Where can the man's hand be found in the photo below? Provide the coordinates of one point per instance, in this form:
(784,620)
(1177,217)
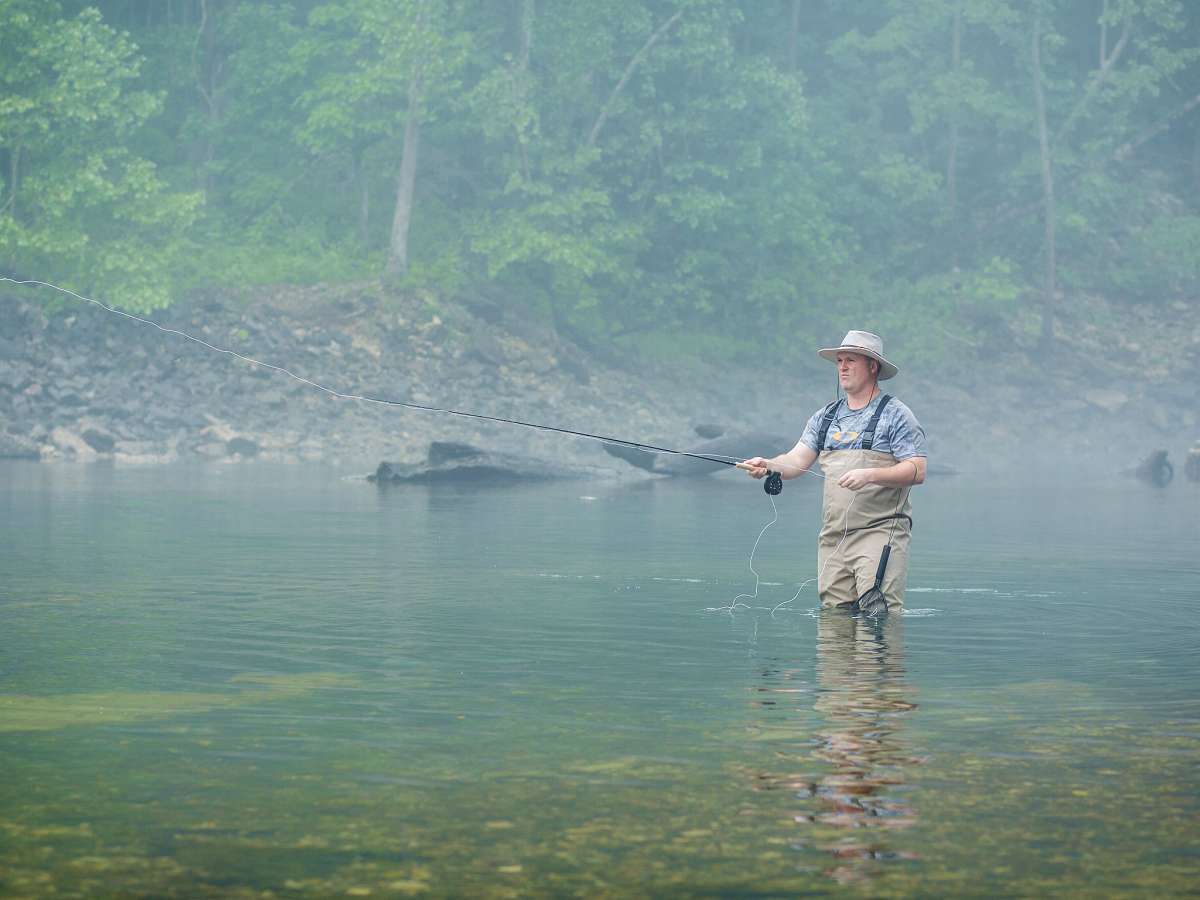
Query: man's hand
(903,474)
(792,464)
(857,479)
(758,467)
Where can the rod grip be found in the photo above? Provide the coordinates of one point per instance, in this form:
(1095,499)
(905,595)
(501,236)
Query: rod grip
(883,558)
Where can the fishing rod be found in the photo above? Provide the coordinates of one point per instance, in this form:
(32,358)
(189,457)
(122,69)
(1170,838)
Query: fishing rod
(773,484)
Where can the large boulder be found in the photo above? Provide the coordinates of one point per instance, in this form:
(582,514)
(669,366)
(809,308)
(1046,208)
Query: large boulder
(98,438)
(463,463)
(737,447)
(1153,469)
(72,445)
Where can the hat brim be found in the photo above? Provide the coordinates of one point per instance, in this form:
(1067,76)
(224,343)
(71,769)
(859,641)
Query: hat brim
(886,369)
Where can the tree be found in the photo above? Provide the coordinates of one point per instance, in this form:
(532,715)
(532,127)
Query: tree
(729,173)
(375,53)
(80,207)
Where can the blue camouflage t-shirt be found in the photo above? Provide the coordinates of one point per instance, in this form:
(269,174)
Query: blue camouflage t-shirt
(898,433)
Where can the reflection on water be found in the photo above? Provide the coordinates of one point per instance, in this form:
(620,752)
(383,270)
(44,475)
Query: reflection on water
(857,799)
(864,699)
(235,683)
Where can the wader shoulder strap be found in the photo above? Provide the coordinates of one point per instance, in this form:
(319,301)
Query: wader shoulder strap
(826,421)
(869,434)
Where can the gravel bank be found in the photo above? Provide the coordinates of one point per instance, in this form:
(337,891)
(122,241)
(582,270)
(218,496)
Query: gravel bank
(86,385)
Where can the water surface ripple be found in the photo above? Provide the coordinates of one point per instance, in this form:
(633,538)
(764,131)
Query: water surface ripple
(221,681)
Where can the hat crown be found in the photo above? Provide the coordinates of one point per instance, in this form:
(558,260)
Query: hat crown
(865,344)
(862,340)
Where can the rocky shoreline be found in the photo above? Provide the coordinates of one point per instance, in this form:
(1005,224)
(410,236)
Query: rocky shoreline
(87,385)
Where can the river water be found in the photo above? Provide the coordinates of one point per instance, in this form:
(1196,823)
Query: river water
(228,681)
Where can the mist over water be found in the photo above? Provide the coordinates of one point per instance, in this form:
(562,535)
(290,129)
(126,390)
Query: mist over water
(218,679)
(228,669)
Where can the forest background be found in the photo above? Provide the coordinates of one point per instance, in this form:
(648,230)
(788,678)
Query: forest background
(731,179)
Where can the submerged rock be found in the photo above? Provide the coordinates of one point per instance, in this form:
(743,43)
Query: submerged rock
(1153,469)
(734,446)
(448,461)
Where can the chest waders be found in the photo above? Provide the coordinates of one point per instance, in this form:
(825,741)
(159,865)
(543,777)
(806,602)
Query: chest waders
(862,531)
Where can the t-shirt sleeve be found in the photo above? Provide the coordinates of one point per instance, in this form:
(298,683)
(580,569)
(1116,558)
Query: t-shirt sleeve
(907,437)
(811,430)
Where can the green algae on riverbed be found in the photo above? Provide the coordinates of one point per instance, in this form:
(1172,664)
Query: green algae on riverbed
(227,825)
(520,694)
(24,713)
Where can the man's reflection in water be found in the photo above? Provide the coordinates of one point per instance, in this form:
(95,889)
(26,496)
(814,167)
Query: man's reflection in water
(863,699)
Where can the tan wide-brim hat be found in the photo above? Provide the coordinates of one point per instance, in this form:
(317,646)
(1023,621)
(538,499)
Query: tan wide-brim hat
(867,344)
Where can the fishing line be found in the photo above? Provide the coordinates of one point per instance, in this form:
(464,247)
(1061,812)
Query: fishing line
(734,604)
(773,485)
(805,584)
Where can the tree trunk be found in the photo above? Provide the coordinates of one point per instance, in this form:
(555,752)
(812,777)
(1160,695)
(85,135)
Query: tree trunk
(952,155)
(1196,157)
(14,157)
(364,200)
(518,82)
(527,11)
(397,263)
(1047,185)
(794,38)
(629,70)
(205,148)
(1104,35)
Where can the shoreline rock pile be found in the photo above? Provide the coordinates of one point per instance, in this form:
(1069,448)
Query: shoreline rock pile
(87,385)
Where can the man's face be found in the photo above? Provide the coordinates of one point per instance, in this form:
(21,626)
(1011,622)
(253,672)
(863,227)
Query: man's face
(854,372)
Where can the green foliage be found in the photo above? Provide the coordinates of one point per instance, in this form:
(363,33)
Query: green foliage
(1162,262)
(690,174)
(80,207)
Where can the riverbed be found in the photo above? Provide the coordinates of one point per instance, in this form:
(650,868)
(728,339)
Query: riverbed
(222,681)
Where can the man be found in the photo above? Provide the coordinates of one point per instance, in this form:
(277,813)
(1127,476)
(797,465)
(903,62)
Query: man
(872,452)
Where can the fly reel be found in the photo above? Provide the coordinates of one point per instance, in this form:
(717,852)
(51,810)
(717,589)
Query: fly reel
(774,483)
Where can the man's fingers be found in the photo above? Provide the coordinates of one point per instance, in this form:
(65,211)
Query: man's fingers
(755,467)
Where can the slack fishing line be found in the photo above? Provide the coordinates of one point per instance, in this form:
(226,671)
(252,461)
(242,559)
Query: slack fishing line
(735,604)
(773,485)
